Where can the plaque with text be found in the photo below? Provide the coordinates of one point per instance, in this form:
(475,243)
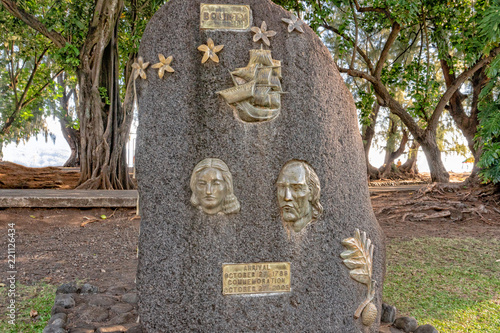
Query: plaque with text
(225,17)
(255,278)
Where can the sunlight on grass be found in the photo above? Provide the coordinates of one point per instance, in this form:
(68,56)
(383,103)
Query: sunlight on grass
(452,284)
(39,297)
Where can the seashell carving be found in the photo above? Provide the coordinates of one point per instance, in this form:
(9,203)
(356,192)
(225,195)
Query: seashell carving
(369,314)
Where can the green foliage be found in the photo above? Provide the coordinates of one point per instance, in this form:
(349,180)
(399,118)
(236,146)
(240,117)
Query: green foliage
(364,104)
(136,15)
(71,19)
(67,56)
(489,28)
(452,284)
(460,32)
(39,297)
(25,96)
(488,135)
(103,92)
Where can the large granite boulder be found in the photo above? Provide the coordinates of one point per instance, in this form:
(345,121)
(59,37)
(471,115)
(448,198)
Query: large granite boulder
(222,182)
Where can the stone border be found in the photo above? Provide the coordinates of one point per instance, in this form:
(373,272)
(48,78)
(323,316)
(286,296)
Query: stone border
(391,324)
(86,309)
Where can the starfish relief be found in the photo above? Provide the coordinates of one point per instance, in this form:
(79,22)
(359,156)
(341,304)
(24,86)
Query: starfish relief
(140,68)
(263,33)
(294,23)
(210,51)
(164,65)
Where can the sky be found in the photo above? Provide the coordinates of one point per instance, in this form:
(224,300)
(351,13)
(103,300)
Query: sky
(38,153)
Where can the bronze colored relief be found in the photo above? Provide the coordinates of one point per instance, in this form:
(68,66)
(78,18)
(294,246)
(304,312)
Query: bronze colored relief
(359,259)
(225,17)
(294,23)
(210,51)
(212,187)
(262,33)
(298,194)
(140,68)
(164,65)
(256,278)
(256,94)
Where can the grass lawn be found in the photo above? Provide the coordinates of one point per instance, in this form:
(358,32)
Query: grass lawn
(39,297)
(452,284)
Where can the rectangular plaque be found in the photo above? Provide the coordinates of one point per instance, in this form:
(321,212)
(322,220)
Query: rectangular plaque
(225,17)
(255,278)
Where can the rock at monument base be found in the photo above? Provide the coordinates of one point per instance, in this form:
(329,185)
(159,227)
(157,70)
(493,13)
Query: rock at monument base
(389,329)
(67,288)
(64,300)
(388,313)
(406,324)
(184,246)
(426,329)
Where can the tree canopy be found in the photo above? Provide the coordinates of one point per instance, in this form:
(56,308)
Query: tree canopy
(423,61)
(85,38)
(416,57)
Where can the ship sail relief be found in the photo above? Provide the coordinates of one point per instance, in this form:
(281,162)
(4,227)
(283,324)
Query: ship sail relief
(257,90)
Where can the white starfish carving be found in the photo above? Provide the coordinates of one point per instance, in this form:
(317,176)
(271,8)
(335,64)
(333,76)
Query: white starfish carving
(140,68)
(263,33)
(294,23)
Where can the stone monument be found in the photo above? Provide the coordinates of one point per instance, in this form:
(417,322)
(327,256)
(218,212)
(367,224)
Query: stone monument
(255,208)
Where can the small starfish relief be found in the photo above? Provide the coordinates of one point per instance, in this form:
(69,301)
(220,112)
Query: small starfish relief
(140,68)
(164,65)
(263,33)
(210,51)
(294,23)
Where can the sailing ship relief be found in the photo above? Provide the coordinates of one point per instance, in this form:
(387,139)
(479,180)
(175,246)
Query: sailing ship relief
(257,91)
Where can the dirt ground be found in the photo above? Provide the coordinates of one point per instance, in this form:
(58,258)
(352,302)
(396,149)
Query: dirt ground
(52,245)
(15,176)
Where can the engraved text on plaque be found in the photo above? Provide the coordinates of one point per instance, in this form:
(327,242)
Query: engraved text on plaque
(225,17)
(255,278)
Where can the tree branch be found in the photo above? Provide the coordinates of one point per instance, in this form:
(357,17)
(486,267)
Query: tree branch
(13,76)
(456,85)
(373,9)
(37,94)
(349,39)
(356,73)
(34,23)
(396,28)
(21,103)
(409,47)
(387,100)
(30,80)
(356,38)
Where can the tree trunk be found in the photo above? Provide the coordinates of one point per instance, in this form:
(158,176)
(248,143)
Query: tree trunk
(71,135)
(426,138)
(391,157)
(104,124)
(467,123)
(433,155)
(367,136)
(410,166)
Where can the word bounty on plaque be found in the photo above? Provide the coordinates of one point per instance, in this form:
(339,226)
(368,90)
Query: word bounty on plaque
(225,17)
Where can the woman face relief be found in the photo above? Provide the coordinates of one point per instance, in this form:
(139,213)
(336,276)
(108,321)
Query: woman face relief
(210,189)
